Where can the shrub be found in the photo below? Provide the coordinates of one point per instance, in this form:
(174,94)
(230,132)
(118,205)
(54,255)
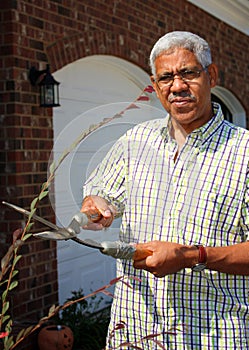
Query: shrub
(89,325)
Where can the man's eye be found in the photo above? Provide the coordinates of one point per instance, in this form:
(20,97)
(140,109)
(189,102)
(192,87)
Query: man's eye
(188,74)
(165,78)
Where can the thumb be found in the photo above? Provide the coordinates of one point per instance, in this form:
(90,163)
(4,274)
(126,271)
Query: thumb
(106,212)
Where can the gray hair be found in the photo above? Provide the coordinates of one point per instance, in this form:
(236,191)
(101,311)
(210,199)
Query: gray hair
(186,40)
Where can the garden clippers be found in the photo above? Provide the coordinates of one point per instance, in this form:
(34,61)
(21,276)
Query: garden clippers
(116,249)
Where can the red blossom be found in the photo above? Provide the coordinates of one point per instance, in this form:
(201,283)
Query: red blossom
(149,89)
(143,98)
(4,334)
(132,106)
(120,325)
(109,294)
(115,280)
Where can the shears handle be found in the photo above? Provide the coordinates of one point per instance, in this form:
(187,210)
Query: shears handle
(116,249)
(122,250)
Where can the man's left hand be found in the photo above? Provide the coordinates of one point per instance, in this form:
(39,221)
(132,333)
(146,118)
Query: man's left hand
(167,258)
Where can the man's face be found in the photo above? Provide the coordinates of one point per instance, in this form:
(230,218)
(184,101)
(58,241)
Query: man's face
(188,102)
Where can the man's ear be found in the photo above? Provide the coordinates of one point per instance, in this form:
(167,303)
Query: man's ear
(213,74)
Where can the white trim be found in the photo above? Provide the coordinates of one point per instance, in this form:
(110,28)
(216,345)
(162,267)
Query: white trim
(233,104)
(233,12)
(92,88)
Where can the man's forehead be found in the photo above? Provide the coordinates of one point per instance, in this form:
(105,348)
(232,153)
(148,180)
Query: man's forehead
(176,51)
(177,57)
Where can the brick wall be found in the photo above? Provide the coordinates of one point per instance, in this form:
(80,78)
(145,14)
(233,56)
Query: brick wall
(58,32)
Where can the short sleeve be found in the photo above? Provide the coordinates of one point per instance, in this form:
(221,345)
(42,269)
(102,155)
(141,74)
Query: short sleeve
(245,210)
(108,179)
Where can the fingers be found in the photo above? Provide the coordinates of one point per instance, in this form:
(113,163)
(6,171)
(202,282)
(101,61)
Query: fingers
(99,212)
(144,265)
(166,258)
(140,264)
(142,257)
(148,260)
(93,226)
(141,252)
(105,222)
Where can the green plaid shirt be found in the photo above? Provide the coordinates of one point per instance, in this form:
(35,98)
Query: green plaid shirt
(201,198)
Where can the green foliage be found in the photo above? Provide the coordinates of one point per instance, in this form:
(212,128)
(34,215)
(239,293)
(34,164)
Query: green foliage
(88,325)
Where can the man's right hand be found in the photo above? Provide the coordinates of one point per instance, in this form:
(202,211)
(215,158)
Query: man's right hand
(99,212)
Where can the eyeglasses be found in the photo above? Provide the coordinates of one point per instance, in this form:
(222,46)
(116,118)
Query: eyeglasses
(187,75)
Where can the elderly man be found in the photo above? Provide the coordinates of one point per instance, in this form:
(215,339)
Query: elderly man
(181,185)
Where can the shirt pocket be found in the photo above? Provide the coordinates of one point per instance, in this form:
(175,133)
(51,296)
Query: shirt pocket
(225,212)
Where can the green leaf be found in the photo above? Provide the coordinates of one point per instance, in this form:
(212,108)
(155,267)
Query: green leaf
(7,257)
(8,342)
(42,195)
(44,319)
(32,212)
(3,282)
(20,334)
(29,226)
(8,327)
(4,294)
(13,285)
(64,154)
(15,272)
(6,306)
(28,235)
(52,167)
(33,203)
(51,310)
(44,186)
(28,330)
(5,318)
(15,261)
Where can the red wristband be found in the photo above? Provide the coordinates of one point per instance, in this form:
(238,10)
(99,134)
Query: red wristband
(202,254)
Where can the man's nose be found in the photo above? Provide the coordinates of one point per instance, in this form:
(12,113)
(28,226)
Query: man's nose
(178,84)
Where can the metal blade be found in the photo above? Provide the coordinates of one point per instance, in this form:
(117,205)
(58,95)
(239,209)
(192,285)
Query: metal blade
(89,243)
(61,236)
(60,233)
(34,216)
(57,235)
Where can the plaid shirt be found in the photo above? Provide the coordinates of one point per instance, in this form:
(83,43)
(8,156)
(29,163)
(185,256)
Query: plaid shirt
(201,198)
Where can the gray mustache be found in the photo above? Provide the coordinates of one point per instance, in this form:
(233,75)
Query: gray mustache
(174,95)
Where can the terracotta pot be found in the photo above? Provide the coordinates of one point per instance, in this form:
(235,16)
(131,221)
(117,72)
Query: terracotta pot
(55,338)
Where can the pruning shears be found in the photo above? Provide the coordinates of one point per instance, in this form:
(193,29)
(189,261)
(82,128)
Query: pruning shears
(116,249)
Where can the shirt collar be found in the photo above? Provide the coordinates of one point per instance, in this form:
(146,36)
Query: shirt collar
(204,132)
(212,125)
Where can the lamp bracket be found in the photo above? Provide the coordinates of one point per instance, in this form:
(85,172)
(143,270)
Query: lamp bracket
(34,74)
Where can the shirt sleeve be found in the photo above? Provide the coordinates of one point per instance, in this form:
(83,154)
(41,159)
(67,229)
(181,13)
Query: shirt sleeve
(245,210)
(108,179)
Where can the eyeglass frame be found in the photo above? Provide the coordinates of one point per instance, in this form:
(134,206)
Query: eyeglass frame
(179,73)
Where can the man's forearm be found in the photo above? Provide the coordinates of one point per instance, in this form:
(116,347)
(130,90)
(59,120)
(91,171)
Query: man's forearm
(232,259)
(169,257)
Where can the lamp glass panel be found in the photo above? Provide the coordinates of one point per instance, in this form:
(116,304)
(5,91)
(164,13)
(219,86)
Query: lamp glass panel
(49,94)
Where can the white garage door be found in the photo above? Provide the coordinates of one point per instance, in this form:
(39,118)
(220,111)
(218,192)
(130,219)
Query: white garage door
(91,89)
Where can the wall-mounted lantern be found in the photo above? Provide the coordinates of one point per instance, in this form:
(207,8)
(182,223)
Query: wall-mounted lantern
(49,87)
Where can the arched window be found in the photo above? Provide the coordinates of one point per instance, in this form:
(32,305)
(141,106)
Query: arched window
(227,113)
(94,88)
(231,107)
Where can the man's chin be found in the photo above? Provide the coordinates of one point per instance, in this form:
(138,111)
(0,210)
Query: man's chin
(187,121)
(184,117)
